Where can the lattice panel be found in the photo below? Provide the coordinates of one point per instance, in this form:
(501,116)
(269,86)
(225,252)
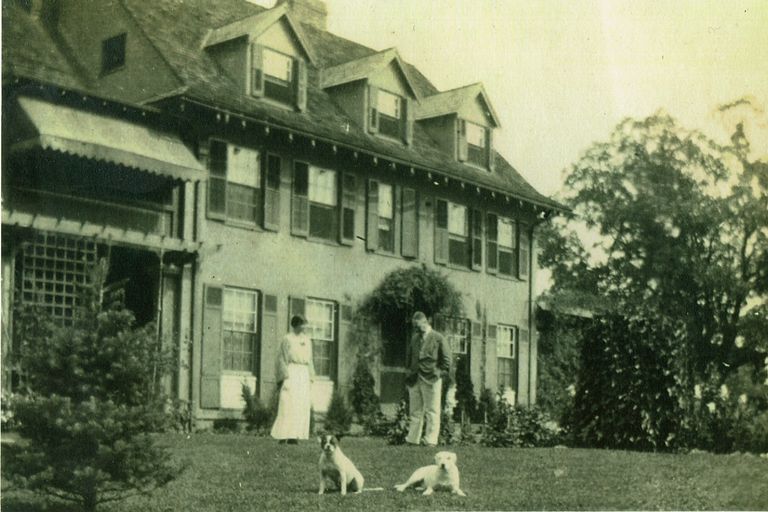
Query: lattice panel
(54,266)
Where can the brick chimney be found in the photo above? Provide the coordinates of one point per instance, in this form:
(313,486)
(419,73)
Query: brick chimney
(312,12)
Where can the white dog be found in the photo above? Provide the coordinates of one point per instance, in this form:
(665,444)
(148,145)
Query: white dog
(336,467)
(443,473)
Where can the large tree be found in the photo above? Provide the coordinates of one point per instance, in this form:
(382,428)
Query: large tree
(670,228)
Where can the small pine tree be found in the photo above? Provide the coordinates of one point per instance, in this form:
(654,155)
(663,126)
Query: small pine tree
(257,416)
(398,431)
(92,399)
(338,419)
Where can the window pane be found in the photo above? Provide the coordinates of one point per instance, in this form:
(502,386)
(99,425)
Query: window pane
(475,134)
(457,219)
(243,203)
(278,65)
(322,186)
(240,323)
(389,104)
(385,201)
(506,262)
(506,232)
(323,221)
(243,166)
(457,251)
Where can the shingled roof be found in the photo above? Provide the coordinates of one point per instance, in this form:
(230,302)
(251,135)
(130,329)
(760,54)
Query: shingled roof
(178,29)
(364,67)
(448,102)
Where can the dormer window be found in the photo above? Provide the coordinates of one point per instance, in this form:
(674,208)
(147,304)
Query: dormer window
(474,143)
(389,114)
(278,77)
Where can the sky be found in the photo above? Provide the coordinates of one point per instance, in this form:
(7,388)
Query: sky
(562,74)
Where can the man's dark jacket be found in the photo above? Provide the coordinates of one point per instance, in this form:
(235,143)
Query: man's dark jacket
(427,356)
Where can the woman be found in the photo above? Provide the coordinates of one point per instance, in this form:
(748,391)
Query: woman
(295,373)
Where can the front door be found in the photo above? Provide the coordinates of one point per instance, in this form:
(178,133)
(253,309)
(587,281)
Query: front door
(395,338)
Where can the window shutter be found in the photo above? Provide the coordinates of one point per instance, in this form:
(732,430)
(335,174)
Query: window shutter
(210,394)
(348,199)
(272,192)
(300,68)
(477,239)
(462,140)
(300,199)
(296,306)
(492,253)
(217,182)
(491,363)
(409,242)
(372,217)
(342,331)
(270,337)
(441,231)
(373,110)
(407,118)
(523,245)
(257,74)
(489,147)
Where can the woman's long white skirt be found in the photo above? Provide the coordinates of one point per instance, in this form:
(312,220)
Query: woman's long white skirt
(294,407)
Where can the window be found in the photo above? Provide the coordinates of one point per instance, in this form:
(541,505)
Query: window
(278,76)
(113,53)
(458,250)
(323,198)
(390,110)
(507,240)
(235,183)
(522,272)
(386,212)
(476,144)
(321,320)
(506,338)
(240,329)
(503,252)
(456,331)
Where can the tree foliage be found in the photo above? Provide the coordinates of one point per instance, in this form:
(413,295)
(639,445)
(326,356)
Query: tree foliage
(91,399)
(669,241)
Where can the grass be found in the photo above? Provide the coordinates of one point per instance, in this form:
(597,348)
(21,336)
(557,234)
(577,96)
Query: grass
(241,473)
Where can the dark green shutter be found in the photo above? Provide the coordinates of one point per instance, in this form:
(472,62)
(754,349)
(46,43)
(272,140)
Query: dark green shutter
(296,306)
(257,73)
(217,182)
(272,192)
(491,363)
(492,251)
(409,235)
(270,339)
(476,225)
(489,147)
(441,231)
(523,251)
(372,216)
(300,81)
(300,199)
(210,392)
(461,139)
(407,117)
(348,200)
(373,109)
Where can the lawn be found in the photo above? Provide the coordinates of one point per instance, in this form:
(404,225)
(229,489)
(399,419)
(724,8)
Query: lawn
(231,472)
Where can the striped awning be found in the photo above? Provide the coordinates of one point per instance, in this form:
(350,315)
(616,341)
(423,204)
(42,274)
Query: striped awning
(69,130)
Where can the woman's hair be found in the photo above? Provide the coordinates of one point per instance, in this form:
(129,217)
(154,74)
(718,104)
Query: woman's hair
(298,320)
(419,316)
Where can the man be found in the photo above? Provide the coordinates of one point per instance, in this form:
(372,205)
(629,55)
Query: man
(428,361)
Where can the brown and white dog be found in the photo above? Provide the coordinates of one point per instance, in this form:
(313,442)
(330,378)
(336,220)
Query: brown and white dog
(337,468)
(443,473)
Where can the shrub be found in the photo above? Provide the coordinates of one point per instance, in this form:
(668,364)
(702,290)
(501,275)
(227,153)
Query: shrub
(226,425)
(466,409)
(524,427)
(377,424)
(398,431)
(487,405)
(338,419)
(89,452)
(363,398)
(258,417)
(93,393)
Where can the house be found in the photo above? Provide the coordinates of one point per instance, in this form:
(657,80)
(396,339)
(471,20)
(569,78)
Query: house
(239,165)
